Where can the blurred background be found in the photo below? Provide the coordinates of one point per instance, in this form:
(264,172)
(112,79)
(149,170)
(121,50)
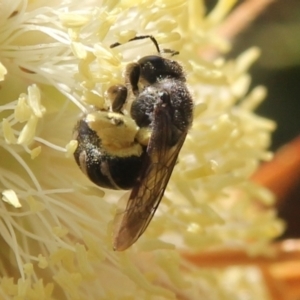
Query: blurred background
(276,31)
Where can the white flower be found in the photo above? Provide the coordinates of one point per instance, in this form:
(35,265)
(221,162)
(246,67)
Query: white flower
(55,225)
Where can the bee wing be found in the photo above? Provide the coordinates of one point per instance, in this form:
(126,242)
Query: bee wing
(152,182)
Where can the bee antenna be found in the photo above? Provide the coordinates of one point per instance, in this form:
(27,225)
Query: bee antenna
(170,51)
(140,37)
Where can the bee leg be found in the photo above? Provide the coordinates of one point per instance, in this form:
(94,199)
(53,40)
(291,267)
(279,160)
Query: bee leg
(117,94)
(133,72)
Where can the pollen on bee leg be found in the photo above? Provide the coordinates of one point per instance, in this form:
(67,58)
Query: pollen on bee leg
(143,136)
(123,128)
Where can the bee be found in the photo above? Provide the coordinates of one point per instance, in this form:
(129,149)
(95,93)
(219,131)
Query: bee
(108,152)
(161,105)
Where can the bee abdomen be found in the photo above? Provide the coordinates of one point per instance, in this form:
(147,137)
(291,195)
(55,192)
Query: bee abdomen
(105,170)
